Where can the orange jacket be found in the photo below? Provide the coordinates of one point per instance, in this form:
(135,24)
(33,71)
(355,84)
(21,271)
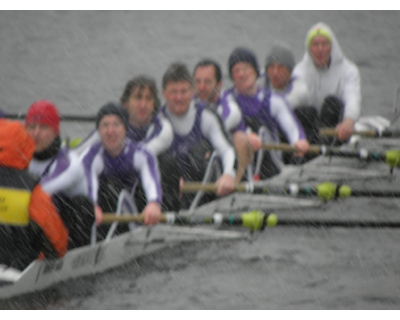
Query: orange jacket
(16,151)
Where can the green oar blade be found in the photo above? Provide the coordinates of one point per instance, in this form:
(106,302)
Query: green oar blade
(257,220)
(392,158)
(328,191)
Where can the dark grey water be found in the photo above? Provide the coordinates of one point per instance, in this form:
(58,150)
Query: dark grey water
(82,59)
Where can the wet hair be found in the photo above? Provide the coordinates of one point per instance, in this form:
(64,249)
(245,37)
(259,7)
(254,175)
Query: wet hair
(176,72)
(210,62)
(141,82)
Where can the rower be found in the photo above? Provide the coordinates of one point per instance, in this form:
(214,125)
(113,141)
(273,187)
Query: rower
(197,130)
(29,223)
(121,162)
(148,126)
(59,172)
(262,109)
(279,65)
(332,79)
(208,84)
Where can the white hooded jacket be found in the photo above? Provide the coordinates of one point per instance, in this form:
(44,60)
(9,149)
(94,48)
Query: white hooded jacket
(341,78)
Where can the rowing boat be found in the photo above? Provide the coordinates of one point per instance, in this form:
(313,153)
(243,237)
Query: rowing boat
(116,250)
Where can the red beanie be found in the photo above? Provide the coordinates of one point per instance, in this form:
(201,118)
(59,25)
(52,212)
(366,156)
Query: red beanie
(44,112)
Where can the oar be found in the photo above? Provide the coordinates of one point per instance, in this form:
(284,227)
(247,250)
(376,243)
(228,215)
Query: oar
(391,157)
(253,220)
(62,118)
(326,190)
(331,132)
(337,223)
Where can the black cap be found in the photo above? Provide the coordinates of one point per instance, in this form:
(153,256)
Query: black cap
(242,54)
(113,108)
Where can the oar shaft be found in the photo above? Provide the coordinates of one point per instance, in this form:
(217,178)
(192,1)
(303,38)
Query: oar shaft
(215,219)
(313,149)
(332,223)
(365,133)
(375,193)
(331,132)
(109,218)
(62,118)
(193,187)
(288,148)
(390,134)
(361,154)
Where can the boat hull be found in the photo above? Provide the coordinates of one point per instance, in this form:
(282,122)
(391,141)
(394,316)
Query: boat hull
(105,255)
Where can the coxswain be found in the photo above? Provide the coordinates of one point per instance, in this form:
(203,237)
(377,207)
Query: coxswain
(30,226)
(59,172)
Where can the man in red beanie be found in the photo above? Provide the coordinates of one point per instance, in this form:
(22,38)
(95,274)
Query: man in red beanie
(43,124)
(29,222)
(57,169)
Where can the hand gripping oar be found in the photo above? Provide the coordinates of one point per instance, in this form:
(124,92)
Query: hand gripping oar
(253,220)
(391,157)
(331,132)
(326,190)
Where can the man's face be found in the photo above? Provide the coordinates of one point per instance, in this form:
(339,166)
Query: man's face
(205,84)
(278,75)
(140,106)
(244,77)
(112,133)
(42,134)
(320,49)
(178,96)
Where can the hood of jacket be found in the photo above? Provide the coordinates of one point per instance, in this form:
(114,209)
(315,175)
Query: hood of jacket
(16,146)
(336,51)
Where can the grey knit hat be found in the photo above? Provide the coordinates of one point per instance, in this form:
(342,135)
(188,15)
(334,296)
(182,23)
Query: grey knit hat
(242,54)
(280,54)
